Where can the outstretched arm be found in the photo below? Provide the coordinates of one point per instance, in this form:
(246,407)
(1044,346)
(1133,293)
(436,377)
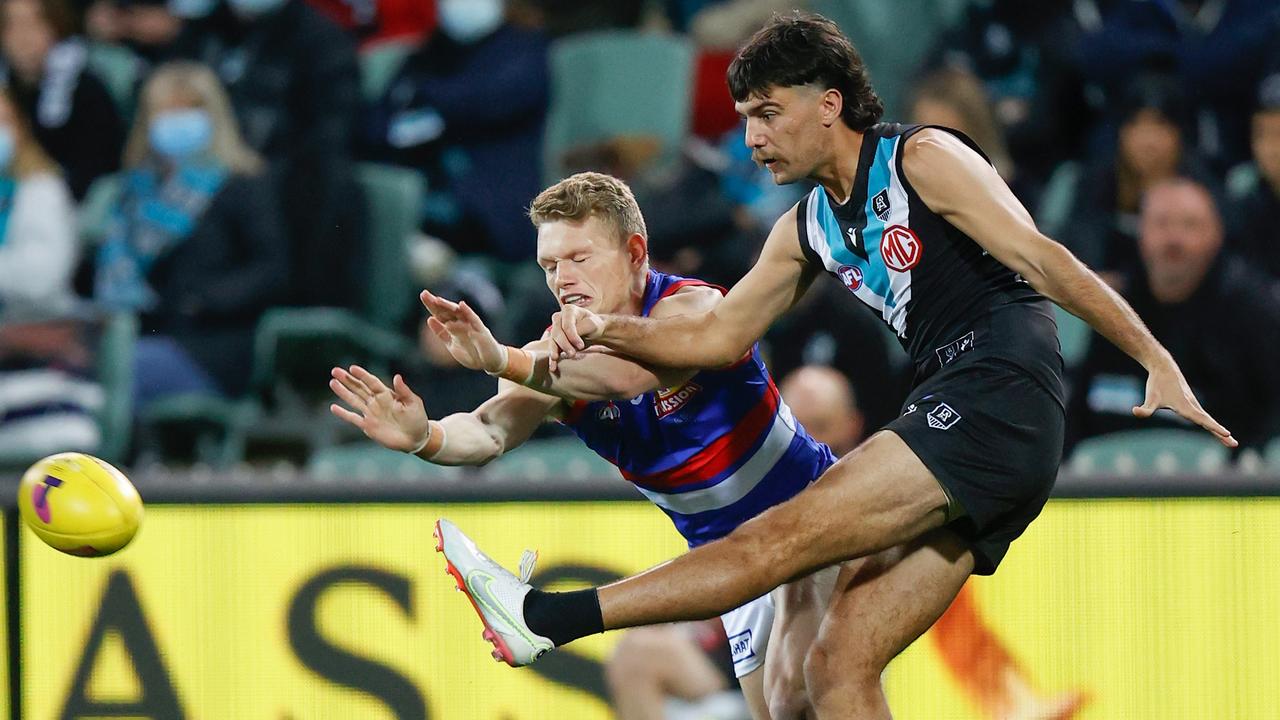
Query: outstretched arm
(590,376)
(714,338)
(955,182)
(395,418)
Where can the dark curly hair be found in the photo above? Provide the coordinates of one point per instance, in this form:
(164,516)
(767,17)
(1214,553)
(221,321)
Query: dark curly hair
(801,48)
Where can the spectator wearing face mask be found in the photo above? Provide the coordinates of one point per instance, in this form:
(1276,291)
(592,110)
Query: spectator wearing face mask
(469,109)
(71,113)
(292,78)
(194,243)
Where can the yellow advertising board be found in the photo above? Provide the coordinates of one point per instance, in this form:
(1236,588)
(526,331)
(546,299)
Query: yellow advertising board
(1153,609)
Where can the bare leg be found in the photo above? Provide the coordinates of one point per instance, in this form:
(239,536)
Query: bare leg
(878,609)
(878,496)
(799,607)
(753,690)
(652,664)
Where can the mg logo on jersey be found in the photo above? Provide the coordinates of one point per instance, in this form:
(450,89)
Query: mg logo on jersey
(900,248)
(851,277)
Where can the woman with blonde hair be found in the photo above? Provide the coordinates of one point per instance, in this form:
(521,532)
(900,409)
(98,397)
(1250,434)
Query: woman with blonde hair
(195,243)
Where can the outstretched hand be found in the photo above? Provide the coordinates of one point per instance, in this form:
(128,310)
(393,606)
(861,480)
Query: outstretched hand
(1167,388)
(464,334)
(393,417)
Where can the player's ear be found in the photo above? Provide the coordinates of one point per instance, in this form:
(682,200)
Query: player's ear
(832,105)
(637,249)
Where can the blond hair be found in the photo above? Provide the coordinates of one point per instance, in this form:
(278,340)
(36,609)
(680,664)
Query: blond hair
(964,93)
(590,194)
(197,84)
(29,158)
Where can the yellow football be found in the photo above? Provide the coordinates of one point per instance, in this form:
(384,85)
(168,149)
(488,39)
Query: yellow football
(79,504)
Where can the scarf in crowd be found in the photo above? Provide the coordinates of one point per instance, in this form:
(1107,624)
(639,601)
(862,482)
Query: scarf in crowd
(8,188)
(154,215)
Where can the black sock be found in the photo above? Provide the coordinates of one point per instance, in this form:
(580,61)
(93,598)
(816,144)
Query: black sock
(563,617)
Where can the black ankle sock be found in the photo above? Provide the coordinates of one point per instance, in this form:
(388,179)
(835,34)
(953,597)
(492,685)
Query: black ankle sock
(563,617)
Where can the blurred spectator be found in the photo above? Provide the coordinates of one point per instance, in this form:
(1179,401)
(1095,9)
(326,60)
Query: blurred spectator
(469,110)
(195,243)
(292,78)
(72,115)
(47,400)
(1022,52)
(38,245)
(1217,316)
(1256,214)
(377,21)
(956,99)
(1215,48)
(1152,146)
(823,402)
(147,27)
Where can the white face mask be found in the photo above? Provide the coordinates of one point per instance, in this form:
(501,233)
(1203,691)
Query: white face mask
(467,21)
(254,8)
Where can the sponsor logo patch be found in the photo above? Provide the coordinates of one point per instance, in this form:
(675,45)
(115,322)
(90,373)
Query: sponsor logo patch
(948,353)
(740,646)
(851,276)
(880,204)
(670,400)
(943,417)
(900,248)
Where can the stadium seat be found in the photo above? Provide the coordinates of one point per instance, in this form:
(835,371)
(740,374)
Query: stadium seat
(95,210)
(379,65)
(118,69)
(1073,336)
(1059,195)
(217,424)
(1241,180)
(115,374)
(1271,455)
(609,84)
(565,458)
(1155,451)
(368,461)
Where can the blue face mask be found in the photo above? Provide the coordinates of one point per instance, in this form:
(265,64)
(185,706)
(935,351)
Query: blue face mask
(467,21)
(179,134)
(7,147)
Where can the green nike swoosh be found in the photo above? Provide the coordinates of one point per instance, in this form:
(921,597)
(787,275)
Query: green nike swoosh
(487,599)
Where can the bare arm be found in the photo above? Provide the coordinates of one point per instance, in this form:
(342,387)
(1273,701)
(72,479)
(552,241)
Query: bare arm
(713,338)
(955,182)
(590,376)
(395,418)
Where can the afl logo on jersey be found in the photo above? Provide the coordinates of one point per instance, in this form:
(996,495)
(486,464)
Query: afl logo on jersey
(851,277)
(900,248)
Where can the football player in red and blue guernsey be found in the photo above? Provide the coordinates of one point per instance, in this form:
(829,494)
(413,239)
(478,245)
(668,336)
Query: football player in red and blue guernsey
(711,448)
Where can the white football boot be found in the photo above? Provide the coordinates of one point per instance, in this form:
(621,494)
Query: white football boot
(495,593)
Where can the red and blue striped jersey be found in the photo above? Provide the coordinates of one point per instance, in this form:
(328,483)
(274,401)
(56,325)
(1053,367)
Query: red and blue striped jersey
(712,453)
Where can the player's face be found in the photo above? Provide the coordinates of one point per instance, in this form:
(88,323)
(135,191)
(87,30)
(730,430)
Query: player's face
(586,264)
(1266,145)
(783,130)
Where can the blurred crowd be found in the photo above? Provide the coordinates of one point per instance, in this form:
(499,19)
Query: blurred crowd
(194,163)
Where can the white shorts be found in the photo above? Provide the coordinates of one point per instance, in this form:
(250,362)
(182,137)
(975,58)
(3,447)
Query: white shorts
(748,629)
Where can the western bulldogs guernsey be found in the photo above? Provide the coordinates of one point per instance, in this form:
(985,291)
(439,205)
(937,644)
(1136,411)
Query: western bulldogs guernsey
(712,453)
(933,285)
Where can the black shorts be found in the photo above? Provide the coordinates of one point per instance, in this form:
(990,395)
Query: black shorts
(992,436)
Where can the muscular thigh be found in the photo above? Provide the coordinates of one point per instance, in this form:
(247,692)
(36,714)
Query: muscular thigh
(876,497)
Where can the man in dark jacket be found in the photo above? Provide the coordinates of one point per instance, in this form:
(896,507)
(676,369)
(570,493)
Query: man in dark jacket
(1256,215)
(293,81)
(1218,317)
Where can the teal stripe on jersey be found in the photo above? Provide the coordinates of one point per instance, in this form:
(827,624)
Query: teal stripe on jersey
(874,276)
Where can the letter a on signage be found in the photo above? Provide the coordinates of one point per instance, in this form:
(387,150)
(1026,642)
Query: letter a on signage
(121,613)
